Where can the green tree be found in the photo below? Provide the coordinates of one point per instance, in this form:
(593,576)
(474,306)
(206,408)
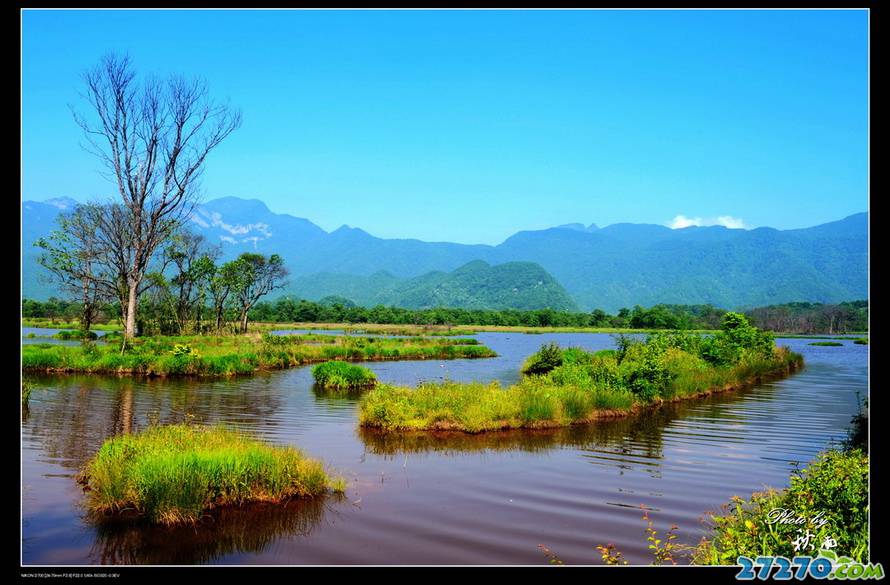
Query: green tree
(255,276)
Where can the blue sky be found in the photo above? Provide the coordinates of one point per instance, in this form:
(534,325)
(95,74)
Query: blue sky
(468,126)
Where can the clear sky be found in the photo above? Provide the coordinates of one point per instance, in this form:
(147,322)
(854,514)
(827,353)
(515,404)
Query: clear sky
(468,126)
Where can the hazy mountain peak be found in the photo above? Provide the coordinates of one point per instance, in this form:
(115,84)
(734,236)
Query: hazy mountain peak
(578,227)
(64,203)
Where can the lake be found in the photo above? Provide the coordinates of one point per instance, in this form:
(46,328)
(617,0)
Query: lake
(426,498)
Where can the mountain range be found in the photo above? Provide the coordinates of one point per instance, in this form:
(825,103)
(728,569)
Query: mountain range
(565,267)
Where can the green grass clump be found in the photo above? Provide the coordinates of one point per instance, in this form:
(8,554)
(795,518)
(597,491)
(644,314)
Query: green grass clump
(827,343)
(861,341)
(568,386)
(176,473)
(75,334)
(835,484)
(337,375)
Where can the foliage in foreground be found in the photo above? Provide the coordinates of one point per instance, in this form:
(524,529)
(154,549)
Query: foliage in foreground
(573,385)
(176,473)
(835,486)
(337,375)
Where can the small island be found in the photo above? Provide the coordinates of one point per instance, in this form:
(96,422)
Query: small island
(175,474)
(561,387)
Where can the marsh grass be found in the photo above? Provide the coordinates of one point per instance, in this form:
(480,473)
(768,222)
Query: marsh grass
(827,343)
(239,355)
(337,375)
(27,389)
(174,474)
(568,386)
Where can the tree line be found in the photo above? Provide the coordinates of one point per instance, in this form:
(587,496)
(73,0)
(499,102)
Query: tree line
(186,291)
(811,317)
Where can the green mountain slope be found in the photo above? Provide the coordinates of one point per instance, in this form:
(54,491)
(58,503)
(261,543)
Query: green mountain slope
(476,285)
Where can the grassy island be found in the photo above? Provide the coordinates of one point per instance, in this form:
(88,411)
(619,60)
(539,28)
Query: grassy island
(176,473)
(568,386)
(243,354)
(337,375)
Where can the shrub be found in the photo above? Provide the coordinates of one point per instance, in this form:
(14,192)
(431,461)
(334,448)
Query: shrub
(75,334)
(545,359)
(834,485)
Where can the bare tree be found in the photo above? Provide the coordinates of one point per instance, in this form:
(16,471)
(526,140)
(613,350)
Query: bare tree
(153,138)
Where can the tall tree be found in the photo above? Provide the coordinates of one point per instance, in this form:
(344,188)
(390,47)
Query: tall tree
(153,137)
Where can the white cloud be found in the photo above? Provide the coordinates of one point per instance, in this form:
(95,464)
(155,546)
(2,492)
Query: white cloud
(681,221)
(206,219)
(731,222)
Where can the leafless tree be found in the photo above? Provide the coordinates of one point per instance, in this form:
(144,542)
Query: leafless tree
(153,138)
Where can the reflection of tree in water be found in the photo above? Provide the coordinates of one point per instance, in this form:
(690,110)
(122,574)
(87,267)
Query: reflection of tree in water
(230,530)
(637,436)
(77,413)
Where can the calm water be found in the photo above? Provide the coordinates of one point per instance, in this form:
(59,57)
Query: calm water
(436,499)
(44,335)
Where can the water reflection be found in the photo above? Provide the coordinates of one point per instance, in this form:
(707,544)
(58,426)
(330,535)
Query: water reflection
(435,498)
(78,412)
(248,529)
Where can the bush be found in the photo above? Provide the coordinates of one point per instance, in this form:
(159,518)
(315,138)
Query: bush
(550,356)
(75,334)
(835,485)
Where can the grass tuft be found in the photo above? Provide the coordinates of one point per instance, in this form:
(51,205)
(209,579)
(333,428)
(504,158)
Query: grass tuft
(174,474)
(337,375)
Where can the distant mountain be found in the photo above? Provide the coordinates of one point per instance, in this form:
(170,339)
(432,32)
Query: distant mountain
(578,227)
(476,285)
(611,267)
